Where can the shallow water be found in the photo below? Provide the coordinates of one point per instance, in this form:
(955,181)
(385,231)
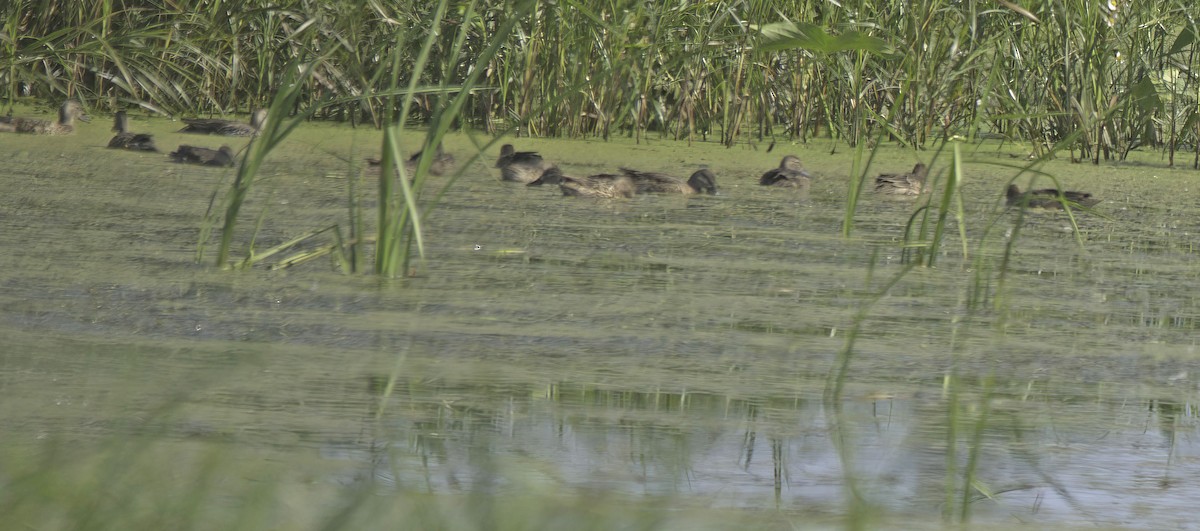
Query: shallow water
(662,348)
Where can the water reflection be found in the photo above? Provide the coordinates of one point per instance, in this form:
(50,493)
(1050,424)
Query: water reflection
(1041,457)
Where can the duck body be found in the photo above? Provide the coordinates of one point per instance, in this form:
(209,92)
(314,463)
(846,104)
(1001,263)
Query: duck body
(523,166)
(217,126)
(203,156)
(70,111)
(443,163)
(790,173)
(1047,198)
(903,184)
(605,185)
(126,140)
(702,181)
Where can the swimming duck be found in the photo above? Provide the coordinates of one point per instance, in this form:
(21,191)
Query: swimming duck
(1048,198)
(789,173)
(443,163)
(911,183)
(204,156)
(127,140)
(217,126)
(702,181)
(67,114)
(605,185)
(523,166)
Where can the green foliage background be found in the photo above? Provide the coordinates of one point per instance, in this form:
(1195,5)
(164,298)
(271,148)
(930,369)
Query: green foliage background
(1100,78)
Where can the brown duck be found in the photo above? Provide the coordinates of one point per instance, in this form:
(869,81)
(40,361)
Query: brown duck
(127,140)
(702,181)
(524,167)
(217,126)
(605,185)
(911,183)
(790,173)
(1048,198)
(67,114)
(203,156)
(443,163)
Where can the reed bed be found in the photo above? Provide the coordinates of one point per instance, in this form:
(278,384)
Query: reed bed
(1120,74)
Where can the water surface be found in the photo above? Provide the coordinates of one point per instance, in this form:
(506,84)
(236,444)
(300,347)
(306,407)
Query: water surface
(664,350)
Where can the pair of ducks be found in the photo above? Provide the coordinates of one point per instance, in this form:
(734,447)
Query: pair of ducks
(222,156)
(913,183)
(791,173)
(530,168)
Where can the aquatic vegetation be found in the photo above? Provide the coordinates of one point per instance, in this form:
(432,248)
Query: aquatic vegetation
(676,346)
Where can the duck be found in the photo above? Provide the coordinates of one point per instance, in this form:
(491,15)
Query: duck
(903,184)
(443,163)
(1048,198)
(217,126)
(790,173)
(127,140)
(604,185)
(70,111)
(203,156)
(702,181)
(524,166)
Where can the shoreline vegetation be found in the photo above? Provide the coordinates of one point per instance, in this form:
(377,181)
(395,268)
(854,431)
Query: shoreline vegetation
(1097,80)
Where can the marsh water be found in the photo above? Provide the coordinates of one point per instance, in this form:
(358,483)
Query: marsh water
(668,352)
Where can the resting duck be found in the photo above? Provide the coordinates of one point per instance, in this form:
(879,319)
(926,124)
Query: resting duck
(911,183)
(702,181)
(67,114)
(443,163)
(606,185)
(790,173)
(204,156)
(217,126)
(127,140)
(1048,198)
(524,167)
